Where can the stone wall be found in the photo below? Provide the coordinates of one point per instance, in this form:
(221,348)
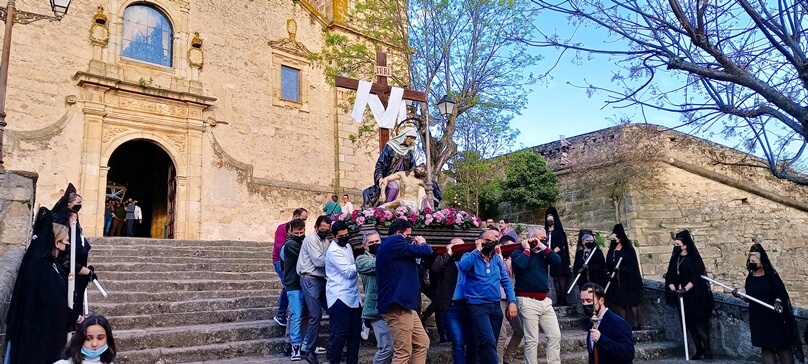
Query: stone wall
(730,323)
(17,201)
(657,182)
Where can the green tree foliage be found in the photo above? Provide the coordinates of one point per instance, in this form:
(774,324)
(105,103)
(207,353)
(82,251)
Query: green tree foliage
(529,181)
(476,184)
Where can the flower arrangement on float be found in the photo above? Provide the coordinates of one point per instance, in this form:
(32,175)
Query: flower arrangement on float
(449,218)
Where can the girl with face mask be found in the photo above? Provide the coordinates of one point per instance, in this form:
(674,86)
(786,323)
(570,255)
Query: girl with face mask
(684,278)
(92,343)
(773,331)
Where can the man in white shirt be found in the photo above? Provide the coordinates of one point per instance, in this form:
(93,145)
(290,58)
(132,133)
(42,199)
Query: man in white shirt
(311,269)
(347,206)
(342,294)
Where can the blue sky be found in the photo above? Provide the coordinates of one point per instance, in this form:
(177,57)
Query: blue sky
(559,108)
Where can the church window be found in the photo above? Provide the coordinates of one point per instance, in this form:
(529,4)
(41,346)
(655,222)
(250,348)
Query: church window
(147,35)
(290,84)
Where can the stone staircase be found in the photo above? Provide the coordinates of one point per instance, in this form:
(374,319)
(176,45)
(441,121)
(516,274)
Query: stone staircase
(176,301)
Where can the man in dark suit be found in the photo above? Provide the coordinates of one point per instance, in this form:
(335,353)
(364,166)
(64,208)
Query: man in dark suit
(610,339)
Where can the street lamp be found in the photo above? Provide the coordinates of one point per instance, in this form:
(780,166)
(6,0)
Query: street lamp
(446,106)
(11,15)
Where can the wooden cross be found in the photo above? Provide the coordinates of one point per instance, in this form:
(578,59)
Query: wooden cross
(381,89)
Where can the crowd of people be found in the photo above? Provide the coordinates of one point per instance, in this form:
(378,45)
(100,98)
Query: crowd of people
(486,303)
(40,315)
(120,215)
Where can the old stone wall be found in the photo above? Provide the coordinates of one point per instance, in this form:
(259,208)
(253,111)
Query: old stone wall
(729,326)
(243,155)
(17,202)
(657,182)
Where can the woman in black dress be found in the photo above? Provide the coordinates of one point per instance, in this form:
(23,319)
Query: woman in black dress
(38,318)
(684,278)
(773,331)
(595,271)
(626,287)
(557,240)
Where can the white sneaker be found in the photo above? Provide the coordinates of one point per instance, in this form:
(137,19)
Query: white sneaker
(365,332)
(296,353)
(319,350)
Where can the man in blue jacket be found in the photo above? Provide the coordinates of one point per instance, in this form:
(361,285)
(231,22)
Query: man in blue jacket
(530,269)
(610,340)
(399,291)
(485,273)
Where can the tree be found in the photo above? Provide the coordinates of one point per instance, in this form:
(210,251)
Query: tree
(470,47)
(529,181)
(742,65)
(475,184)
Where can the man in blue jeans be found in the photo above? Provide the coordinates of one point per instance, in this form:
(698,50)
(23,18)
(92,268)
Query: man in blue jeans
(311,268)
(280,239)
(485,273)
(291,252)
(450,296)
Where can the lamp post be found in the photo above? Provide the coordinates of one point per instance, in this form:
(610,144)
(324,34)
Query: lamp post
(11,15)
(446,108)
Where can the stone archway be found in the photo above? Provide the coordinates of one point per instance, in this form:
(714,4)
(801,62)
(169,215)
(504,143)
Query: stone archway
(149,175)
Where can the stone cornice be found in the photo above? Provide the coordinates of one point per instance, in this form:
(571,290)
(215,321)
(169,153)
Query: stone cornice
(86,79)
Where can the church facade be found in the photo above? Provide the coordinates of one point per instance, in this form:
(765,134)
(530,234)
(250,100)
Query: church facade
(211,114)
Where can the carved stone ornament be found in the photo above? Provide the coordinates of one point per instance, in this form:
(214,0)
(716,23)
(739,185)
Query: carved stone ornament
(179,141)
(110,133)
(196,57)
(99,32)
(290,44)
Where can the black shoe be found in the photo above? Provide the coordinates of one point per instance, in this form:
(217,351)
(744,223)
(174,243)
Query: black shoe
(311,357)
(287,349)
(699,354)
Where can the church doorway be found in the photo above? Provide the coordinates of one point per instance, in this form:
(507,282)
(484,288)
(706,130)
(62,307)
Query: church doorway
(149,175)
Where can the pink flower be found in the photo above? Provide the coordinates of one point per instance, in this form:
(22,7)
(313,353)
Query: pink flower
(388,215)
(428,219)
(368,212)
(476,223)
(401,210)
(360,220)
(459,218)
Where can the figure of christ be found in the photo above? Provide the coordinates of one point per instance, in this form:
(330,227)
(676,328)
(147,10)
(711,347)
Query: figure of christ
(396,156)
(412,189)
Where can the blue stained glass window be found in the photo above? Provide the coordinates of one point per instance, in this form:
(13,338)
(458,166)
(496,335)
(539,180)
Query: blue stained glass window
(290,84)
(147,35)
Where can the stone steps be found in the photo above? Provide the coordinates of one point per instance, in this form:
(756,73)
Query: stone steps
(163,243)
(147,251)
(442,354)
(112,265)
(192,302)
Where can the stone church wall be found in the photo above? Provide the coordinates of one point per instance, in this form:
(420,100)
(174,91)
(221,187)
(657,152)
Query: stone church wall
(244,157)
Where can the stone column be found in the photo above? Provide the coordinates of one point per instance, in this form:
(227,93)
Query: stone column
(90,185)
(181,213)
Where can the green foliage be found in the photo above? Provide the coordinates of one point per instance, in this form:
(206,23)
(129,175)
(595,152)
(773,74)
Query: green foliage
(475,186)
(600,240)
(529,182)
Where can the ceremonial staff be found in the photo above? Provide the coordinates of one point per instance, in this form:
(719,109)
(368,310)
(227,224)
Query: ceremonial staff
(582,268)
(71,278)
(594,320)
(744,295)
(684,327)
(616,268)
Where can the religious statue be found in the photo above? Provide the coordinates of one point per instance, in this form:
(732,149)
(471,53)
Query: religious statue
(396,156)
(412,189)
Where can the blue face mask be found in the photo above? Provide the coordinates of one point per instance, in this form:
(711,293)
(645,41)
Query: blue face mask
(93,354)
